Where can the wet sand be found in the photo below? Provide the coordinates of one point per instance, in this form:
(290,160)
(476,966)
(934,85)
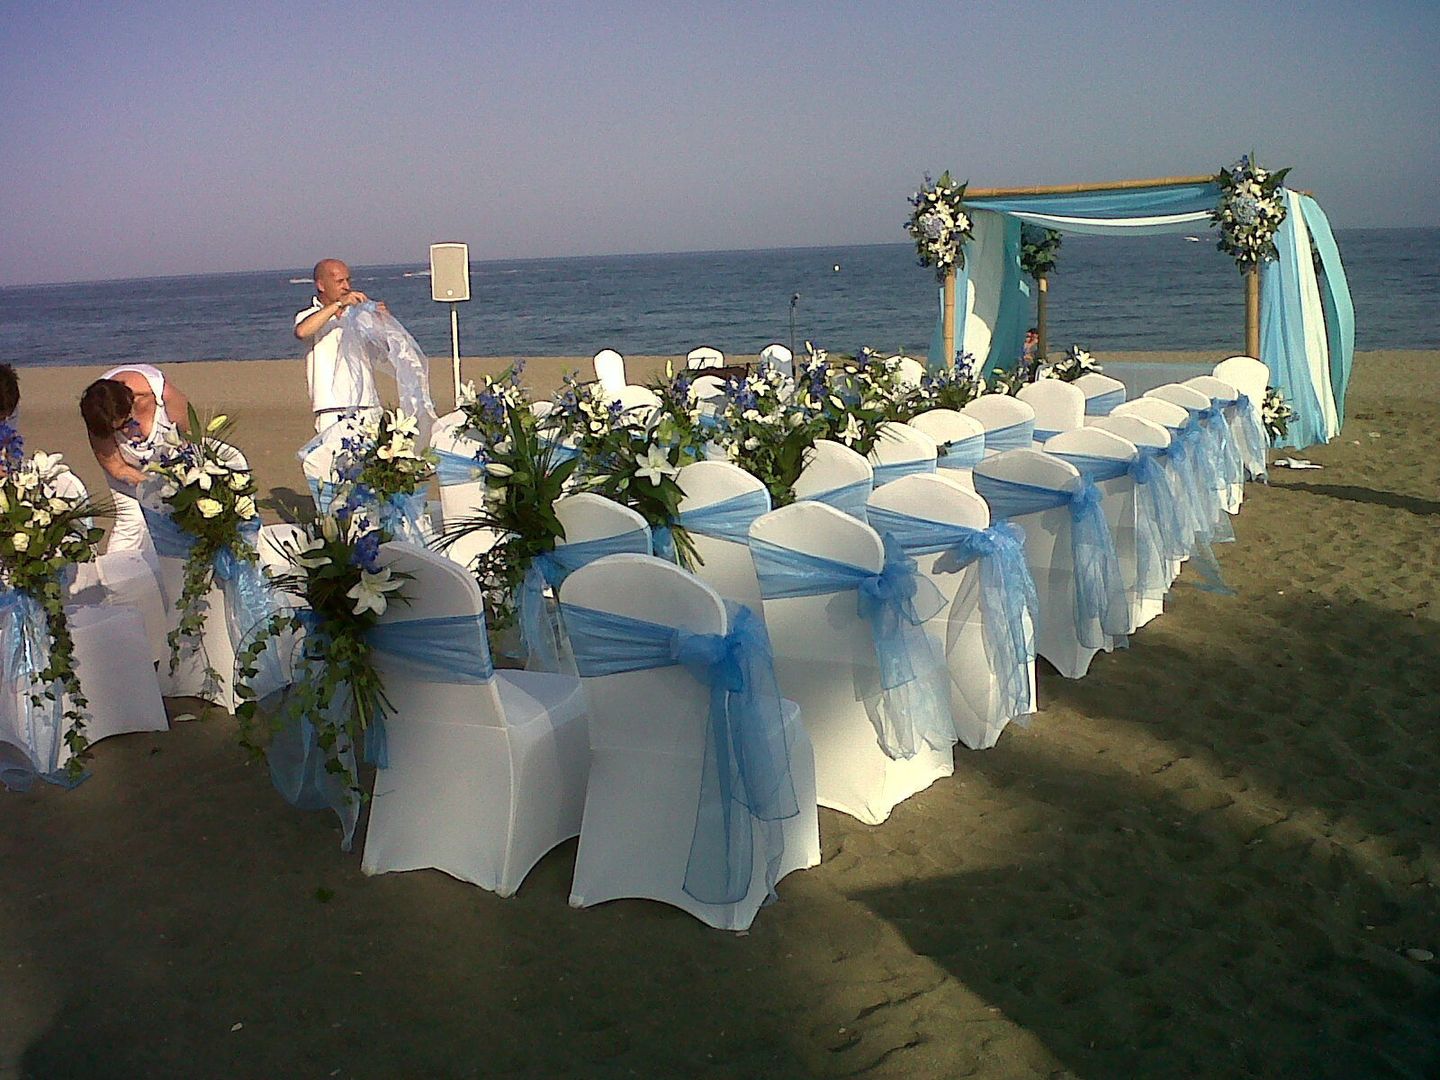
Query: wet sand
(1207,858)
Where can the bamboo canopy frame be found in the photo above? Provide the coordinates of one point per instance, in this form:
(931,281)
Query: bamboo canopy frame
(1252,276)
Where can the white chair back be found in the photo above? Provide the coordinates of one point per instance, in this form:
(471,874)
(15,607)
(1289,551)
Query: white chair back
(1187,397)
(587,516)
(825,661)
(778,357)
(831,466)
(997,411)
(909,370)
(725,564)
(1134,429)
(457,500)
(704,357)
(1059,406)
(1167,415)
(708,387)
(610,371)
(1217,390)
(1094,385)
(638,402)
(901,448)
(949,426)
(1246,374)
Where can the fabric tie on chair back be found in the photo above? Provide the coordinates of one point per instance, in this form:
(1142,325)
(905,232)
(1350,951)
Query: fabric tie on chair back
(452,468)
(1099,588)
(884,474)
(746,775)
(1007,591)
(1195,509)
(1159,536)
(325,493)
(1013,437)
(24,654)
(728,519)
(1225,450)
(848,499)
(537,629)
(1104,404)
(1204,455)
(962,453)
(450,649)
(1252,435)
(896,603)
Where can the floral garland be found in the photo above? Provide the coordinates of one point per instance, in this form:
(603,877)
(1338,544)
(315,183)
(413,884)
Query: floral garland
(1249,213)
(1039,249)
(762,432)
(336,689)
(211,500)
(1275,414)
(379,467)
(949,388)
(939,225)
(43,532)
(1077,362)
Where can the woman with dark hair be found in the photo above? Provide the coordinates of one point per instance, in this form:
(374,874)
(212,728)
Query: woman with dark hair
(128,412)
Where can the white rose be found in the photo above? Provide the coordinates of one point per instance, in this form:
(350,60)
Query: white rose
(208,508)
(41,518)
(20,541)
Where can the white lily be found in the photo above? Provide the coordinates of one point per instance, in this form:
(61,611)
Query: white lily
(245,506)
(655,465)
(852,431)
(498,470)
(41,517)
(47,465)
(369,592)
(197,475)
(303,558)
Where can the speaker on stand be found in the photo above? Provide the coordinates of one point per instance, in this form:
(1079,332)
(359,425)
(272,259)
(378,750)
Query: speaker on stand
(450,284)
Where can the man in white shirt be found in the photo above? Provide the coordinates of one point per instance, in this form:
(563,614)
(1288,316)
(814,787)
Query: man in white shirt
(336,388)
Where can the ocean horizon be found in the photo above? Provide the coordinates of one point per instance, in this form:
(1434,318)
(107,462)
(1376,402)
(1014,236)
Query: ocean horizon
(1169,292)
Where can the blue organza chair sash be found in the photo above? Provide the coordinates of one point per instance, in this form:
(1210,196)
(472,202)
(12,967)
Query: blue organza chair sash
(1207,468)
(448,649)
(538,632)
(452,468)
(1045,434)
(24,654)
(1096,468)
(962,453)
(891,471)
(1007,592)
(1104,404)
(1160,536)
(849,499)
(1194,507)
(895,603)
(325,493)
(1225,451)
(1014,437)
(1101,608)
(728,519)
(746,777)
(1252,436)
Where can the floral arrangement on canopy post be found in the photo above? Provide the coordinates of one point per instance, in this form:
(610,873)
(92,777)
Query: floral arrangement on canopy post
(379,466)
(940,228)
(211,521)
(525,472)
(340,590)
(1249,213)
(632,456)
(1039,251)
(765,432)
(1275,414)
(1076,362)
(45,530)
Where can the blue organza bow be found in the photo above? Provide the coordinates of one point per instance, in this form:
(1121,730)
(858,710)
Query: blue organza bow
(1194,507)
(1104,404)
(1007,592)
(538,631)
(896,603)
(962,453)
(403,516)
(24,654)
(894,470)
(1101,609)
(1014,437)
(1252,437)
(1205,457)
(746,779)
(452,468)
(1226,452)
(849,499)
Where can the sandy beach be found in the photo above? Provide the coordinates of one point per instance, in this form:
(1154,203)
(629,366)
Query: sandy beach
(1217,855)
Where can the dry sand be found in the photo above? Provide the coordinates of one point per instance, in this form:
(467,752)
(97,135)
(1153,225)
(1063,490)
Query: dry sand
(1207,858)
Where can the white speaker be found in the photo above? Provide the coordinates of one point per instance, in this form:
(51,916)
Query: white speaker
(449,272)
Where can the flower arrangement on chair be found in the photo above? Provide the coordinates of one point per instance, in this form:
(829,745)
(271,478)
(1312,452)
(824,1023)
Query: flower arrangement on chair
(1076,362)
(1275,414)
(767,434)
(379,466)
(939,225)
(211,521)
(949,388)
(850,398)
(44,531)
(1249,213)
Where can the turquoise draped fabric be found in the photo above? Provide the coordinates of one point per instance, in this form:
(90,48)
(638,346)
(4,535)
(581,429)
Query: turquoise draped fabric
(1105,212)
(746,779)
(1282,336)
(1335,296)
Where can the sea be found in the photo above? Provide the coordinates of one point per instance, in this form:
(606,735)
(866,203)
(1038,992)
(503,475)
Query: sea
(1171,292)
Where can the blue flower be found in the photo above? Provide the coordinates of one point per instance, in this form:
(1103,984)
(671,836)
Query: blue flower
(367,551)
(12,448)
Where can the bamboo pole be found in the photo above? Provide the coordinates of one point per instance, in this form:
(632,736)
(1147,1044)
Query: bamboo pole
(1252,312)
(1041,300)
(1070,189)
(948,337)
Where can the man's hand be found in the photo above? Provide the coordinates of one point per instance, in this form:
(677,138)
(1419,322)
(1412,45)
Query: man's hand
(350,299)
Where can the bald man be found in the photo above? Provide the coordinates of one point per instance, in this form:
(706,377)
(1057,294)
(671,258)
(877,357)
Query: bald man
(336,389)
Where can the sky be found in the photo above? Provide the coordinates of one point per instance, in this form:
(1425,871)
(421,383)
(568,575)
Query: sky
(141,139)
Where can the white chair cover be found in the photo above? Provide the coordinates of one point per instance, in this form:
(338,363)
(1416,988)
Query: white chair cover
(909,370)
(484,777)
(961,437)
(610,371)
(976,703)
(1251,378)
(117,676)
(1005,421)
(836,475)
(649,731)
(825,661)
(1102,393)
(780,358)
(704,357)
(1225,396)
(1141,433)
(901,450)
(723,545)
(1059,406)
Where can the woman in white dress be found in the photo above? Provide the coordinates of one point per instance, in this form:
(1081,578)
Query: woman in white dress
(127,412)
